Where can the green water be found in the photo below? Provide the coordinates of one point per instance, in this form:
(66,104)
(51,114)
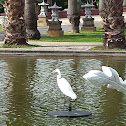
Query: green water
(28,91)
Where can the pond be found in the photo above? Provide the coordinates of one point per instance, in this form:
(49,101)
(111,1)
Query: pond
(29,90)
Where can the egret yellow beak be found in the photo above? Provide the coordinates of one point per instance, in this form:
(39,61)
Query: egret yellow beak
(53,71)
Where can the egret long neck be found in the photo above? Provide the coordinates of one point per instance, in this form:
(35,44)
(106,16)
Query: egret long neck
(59,75)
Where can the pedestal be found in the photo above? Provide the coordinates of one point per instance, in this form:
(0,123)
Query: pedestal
(88,24)
(55,29)
(73,113)
(42,20)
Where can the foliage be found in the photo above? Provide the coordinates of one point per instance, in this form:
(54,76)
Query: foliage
(61,3)
(90,1)
(95,2)
(64,3)
(1,6)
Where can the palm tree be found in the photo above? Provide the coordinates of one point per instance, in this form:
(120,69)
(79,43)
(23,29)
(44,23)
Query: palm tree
(74,14)
(31,20)
(14,25)
(113,23)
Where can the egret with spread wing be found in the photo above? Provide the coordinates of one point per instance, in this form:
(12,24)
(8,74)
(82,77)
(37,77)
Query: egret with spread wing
(65,87)
(107,76)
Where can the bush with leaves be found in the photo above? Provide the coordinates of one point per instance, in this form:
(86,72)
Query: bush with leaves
(61,3)
(1,6)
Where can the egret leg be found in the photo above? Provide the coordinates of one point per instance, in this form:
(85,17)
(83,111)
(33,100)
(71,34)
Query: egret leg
(70,106)
(64,101)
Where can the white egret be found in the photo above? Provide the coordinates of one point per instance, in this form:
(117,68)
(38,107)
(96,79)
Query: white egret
(65,87)
(109,76)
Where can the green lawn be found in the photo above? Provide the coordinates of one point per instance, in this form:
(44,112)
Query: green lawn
(101,48)
(18,46)
(1,29)
(83,36)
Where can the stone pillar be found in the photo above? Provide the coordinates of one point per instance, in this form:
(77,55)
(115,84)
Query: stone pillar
(124,3)
(2,19)
(88,21)
(74,14)
(55,25)
(42,17)
(55,29)
(42,21)
(88,24)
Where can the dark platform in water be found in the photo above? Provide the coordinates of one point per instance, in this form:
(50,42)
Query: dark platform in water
(73,113)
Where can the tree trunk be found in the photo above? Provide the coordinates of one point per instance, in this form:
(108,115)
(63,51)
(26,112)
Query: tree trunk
(14,26)
(31,20)
(74,14)
(113,23)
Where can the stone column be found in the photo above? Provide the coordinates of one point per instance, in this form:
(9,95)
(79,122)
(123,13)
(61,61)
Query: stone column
(124,3)
(88,21)
(55,25)
(74,14)
(43,17)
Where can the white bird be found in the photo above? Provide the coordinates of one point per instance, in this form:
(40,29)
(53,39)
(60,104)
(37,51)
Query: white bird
(109,76)
(65,87)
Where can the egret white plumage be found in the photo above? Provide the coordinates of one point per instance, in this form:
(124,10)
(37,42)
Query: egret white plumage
(65,87)
(109,76)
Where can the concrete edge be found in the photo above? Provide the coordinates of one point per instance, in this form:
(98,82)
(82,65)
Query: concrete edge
(63,53)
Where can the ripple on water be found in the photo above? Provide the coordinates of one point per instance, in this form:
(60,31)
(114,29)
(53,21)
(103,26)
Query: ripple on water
(29,93)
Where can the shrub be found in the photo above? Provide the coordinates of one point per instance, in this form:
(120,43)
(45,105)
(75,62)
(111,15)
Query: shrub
(1,6)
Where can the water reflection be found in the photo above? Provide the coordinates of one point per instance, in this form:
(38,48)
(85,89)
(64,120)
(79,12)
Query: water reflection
(21,71)
(113,97)
(116,63)
(29,91)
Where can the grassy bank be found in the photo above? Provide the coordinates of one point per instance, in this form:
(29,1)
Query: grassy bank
(1,28)
(83,36)
(19,46)
(101,48)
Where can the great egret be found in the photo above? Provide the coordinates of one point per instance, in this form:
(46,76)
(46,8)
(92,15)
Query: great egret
(109,76)
(65,87)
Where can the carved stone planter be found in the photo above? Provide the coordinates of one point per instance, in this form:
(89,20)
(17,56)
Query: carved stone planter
(55,29)
(55,25)
(88,21)
(43,18)
(88,24)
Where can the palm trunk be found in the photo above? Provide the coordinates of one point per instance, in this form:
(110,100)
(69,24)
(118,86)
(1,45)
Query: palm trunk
(14,26)
(74,14)
(113,23)
(31,20)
